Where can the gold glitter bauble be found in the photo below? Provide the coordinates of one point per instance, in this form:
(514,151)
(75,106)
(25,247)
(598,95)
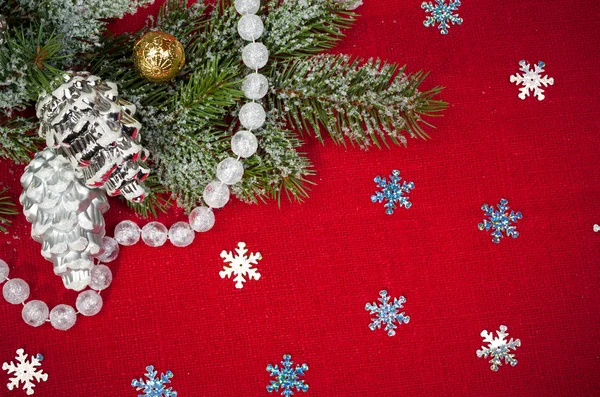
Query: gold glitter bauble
(158,56)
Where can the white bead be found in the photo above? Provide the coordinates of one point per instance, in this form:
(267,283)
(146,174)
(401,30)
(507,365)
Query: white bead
(230,171)
(244,144)
(245,7)
(89,303)
(127,233)
(181,234)
(216,194)
(252,116)
(154,234)
(202,219)
(15,291)
(35,313)
(255,55)
(110,250)
(100,277)
(63,317)
(255,86)
(4,270)
(250,27)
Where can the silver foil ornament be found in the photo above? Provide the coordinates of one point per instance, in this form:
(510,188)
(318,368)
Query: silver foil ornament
(96,131)
(65,214)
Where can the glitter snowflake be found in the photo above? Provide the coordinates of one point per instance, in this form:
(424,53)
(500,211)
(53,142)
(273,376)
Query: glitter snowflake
(532,80)
(392,192)
(240,265)
(287,377)
(442,14)
(25,372)
(153,386)
(498,348)
(500,221)
(387,313)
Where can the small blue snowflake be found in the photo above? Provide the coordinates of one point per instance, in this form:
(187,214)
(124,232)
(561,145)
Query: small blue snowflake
(387,313)
(287,377)
(442,14)
(500,221)
(154,387)
(392,192)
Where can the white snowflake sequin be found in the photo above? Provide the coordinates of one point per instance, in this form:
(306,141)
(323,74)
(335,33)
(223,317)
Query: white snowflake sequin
(240,265)
(532,80)
(498,348)
(25,372)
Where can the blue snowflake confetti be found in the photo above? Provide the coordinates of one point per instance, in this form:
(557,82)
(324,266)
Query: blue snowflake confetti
(500,221)
(287,377)
(392,192)
(154,387)
(442,14)
(387,313)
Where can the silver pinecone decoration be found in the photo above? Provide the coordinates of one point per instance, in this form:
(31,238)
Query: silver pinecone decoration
(96,131)
(66,216)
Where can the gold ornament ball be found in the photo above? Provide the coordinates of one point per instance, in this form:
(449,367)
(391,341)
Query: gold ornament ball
(158,56)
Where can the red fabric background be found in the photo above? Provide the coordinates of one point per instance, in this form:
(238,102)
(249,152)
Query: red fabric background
(324,259)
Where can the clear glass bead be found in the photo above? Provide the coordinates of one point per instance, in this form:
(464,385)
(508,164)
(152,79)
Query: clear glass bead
(100,277)
(255,86)
(245,7)
(89,303)
(244,144)
(255,55)
(202,219)
(252,116)
(15,291)
(181,234)
(230,171)
(63,317)
(35,313)
(4,270)
(127,233)
(216,194)
(154,234)
(110,250)
(250,27)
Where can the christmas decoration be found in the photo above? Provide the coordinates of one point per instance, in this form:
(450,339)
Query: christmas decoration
(181,234)
(158,56)
(3,28)
(393,192)
(500,221)
(498,348)
(532,80)
(95,129)
(25,371)
(442,13)
(240,265)
(596,228)
(153,386)
(7,208)
(66,216)
(387,313)
(287,378)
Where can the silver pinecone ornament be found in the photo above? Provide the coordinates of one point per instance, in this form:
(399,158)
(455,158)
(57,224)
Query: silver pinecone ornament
(96,131)
(65,214)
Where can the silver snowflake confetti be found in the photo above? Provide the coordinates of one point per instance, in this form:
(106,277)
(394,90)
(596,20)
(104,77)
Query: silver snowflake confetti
(240,265)
(498,348)
(387,313)
(154,386)
(393,192)
(287,377)
(25,372)
(532,80)
(442,13)
(500,221)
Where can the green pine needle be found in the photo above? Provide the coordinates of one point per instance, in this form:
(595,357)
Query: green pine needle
(7,208)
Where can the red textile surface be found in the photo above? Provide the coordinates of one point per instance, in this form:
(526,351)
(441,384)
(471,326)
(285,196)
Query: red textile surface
(324,259)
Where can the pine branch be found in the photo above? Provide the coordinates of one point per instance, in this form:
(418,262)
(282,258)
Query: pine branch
(7,208)
(18,141)
(364,103)
(158,201)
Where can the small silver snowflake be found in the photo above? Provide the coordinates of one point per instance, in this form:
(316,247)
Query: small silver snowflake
(393,192)
(154,386)
(287,377)
(498,348)
(500,221)
(387,313)
(240,265)
(25,372)
(442,13)
(532,80)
